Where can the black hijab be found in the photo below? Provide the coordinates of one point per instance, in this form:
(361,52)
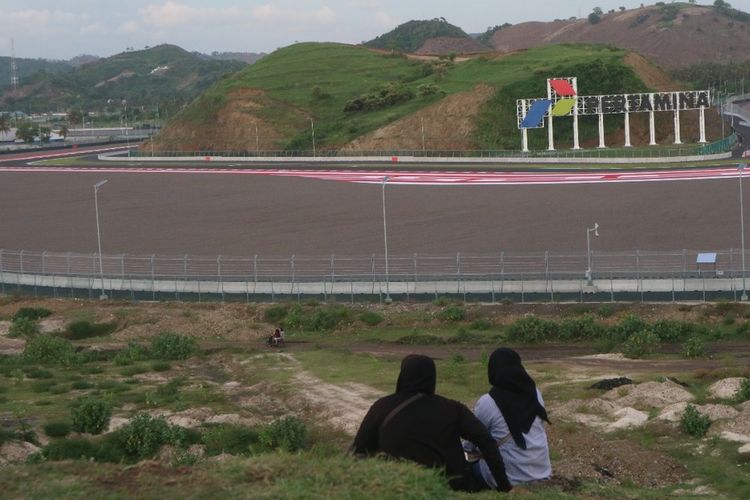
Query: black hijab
(514,393)
(417,375)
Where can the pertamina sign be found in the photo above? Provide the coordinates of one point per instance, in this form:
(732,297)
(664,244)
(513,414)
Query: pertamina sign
(563,101)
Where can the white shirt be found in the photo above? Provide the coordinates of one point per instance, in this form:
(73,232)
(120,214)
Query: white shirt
(521,466)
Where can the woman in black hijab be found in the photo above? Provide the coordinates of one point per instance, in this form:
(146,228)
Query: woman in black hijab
(416,424)
(514,413)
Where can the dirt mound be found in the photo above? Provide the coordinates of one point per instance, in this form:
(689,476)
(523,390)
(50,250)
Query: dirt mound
(448,124)
(726,388)
(586,456)
(16,452)
(649,395)
(689,38)
(444,45)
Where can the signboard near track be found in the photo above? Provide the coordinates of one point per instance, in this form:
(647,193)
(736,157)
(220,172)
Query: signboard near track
(563,101)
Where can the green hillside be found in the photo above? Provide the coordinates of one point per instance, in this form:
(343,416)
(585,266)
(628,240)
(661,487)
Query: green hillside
(29,67)
(321,81)
(410,36)
(133,76)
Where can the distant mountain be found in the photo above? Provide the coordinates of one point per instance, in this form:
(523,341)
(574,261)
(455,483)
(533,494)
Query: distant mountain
(28,67)
(674,35)
(245,57)
(82,59)
(165,73)
(412,36)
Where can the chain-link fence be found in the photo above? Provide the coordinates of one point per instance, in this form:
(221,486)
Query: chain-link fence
(547,275)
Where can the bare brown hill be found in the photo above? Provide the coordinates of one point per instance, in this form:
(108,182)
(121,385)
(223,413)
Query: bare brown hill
(673,36)
(448,124)
(444,45)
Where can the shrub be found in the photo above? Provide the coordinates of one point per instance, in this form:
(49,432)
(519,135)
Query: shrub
(161,366)
(532,329)
(481,324)
(581,328)
(226,438)
(23,327)
(295,318)
(132,353)
(428,89)
(371,318)
(453,313)
(628,326)
(70,449)
(606,310)
(329,318)
(672,331)
(744,393)
(694,348)
(48,349)
(694,423)
(288,434)
(729,319)
(57,429)
(275,314)
(171,346)
(640,344)
(31,313)
(80,385)
(144,435)
(35,372)
(91,415)
(83,329)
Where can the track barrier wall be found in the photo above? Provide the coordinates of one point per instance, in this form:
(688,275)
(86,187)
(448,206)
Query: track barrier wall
(534,277)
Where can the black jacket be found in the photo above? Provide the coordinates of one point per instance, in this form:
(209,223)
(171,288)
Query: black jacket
(428,431)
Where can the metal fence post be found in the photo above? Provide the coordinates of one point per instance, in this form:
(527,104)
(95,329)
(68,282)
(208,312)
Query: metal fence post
(546,275)
(333,275)
(638,272)
(153,277)
(18,281)
(221,281)
(70,278)
(416,275)
(458,273)
(2,273)
(291,265)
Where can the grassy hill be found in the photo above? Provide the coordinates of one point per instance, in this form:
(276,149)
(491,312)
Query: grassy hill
(411,36)
(143,78)
(29,67)
(351,91)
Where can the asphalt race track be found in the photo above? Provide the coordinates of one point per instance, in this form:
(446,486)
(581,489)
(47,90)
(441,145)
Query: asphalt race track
(265,214)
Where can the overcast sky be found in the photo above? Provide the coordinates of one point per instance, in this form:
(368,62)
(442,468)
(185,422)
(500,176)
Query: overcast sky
(62,29)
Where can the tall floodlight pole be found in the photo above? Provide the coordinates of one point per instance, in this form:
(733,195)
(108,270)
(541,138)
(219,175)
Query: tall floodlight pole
(589,230)
(743,297)
(312,129)
(388,299)
(99,184)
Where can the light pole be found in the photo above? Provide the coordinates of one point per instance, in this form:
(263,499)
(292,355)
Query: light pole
(312,129)
(589,230)
(388,299)
(741,168)
(99,184)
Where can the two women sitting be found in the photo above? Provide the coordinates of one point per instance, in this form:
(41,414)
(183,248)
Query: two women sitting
(507,431)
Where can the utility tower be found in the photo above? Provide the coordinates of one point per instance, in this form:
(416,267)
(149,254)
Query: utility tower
(13,66)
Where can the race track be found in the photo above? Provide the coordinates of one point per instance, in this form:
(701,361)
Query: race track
(200,213)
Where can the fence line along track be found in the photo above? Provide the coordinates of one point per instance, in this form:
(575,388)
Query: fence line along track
(634,275)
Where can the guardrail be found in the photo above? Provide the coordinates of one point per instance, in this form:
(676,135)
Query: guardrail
(635,275)
(635,152)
